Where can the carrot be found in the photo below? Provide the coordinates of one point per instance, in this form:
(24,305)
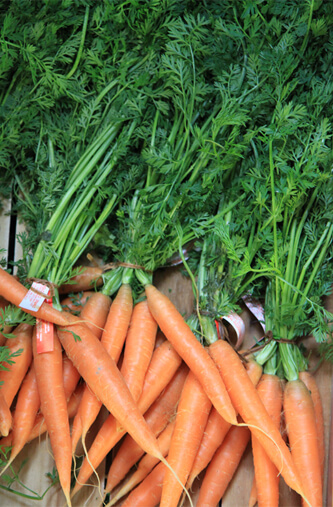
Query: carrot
(223,466)
(113,338)
(311,384)
(39,426)
(48,367)
(27,405)
(157,416)
(163,366)
(15,373)
(266,473)
(14,292)
(70,375)
(139,346)
(84,280)
(302,433)
(5,416)
(191,419)
(95,311)
(148,493)
(249,405)
(145,465)
(192,352)
(102,375)
(74,304)
(6,328)
(216,429)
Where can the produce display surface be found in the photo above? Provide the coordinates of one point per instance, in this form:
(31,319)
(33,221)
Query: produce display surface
(166,246)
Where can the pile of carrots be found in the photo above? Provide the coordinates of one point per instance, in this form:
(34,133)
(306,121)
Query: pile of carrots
(177,407)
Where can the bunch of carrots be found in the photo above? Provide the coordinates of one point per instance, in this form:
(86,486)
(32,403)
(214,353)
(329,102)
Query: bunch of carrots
(183,406)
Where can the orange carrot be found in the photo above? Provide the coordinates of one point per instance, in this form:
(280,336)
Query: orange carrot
(163,366)
(145,465)
(266,473)
(310,382)
(192,352)
(157,416)
(139,346)
(191,419)
(223,466)
(13,377)
(27,406)
(88,277)
(14,292)
(302,433)
(217,428)
(103,377)
(5,416)
(148,493)
(39,426)
(71,376)
(94,313)
(48,367)
(249,405)
(113,338)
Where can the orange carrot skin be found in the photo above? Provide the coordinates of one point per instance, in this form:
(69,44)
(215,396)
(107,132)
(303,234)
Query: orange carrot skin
(95,312)
(14,292)
(139,346)
(103,377)
(266,473)
(310,382)
(249,405)
(192,352)
(71,376)
(157,417)
(302,433)
(5,417)
(85,280)
(146,464)
(39,427)
(13,378)
(191,419)
(223,466)
(217,428)
(148,493)
(27,406)
(49,375)
(163,367)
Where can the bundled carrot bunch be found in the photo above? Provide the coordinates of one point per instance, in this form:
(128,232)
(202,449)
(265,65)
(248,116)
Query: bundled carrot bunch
(205,135)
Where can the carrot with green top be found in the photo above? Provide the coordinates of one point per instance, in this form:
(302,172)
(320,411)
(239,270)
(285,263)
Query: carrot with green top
(303,440)
(249,405)
(192,352)
(48,368)
(113,338)
(12,378)
(266,474)
(139,346)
